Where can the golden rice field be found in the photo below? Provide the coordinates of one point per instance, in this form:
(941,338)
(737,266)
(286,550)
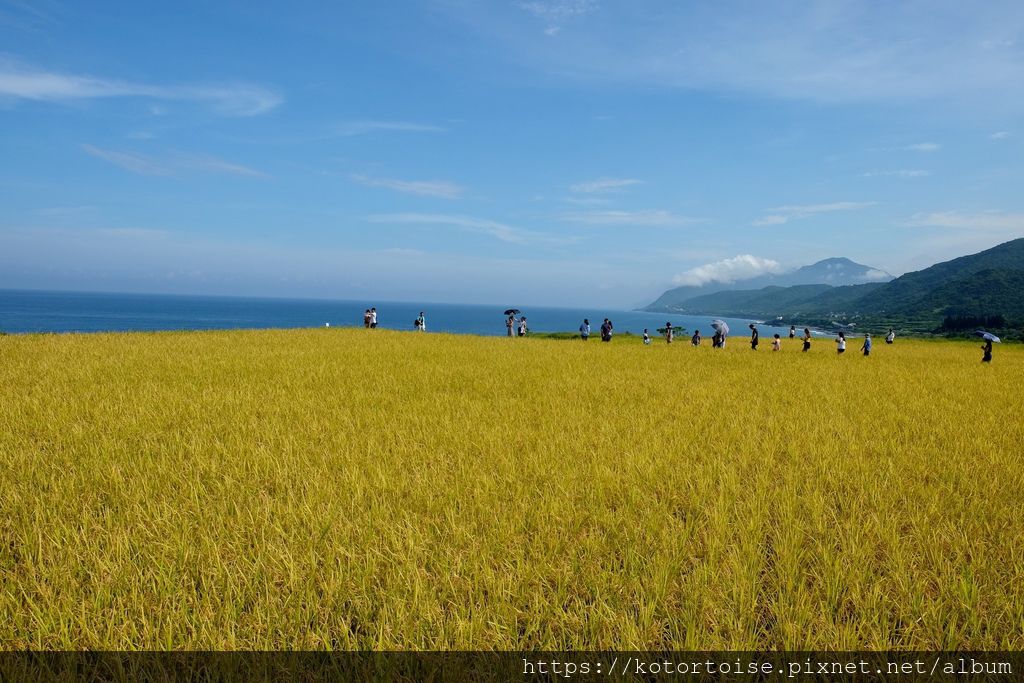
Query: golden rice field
(371,489)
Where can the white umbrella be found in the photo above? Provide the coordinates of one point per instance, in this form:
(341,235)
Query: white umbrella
(721,326)
(987,336)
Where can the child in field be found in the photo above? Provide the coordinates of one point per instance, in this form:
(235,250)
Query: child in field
(754,337)
(841,343)
(647,337)
(807,339)
(522,326)
(695,339)
(866,346)
(987,350)
(776,343)
(889,338)
(668,333)
(585,329)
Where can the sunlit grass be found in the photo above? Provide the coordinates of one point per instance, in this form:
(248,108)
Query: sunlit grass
(374,489)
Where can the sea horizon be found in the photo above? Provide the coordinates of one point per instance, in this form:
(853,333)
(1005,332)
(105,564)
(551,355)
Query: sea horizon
(26,311)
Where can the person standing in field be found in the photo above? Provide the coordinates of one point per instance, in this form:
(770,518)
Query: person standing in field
(792,331)
(421,322)
(668,333)
(889,338)
(776,342)
(987,351)
(716,340)
(510,323)
(585,330)
(695,339)
(522,326)
(807,339)
(647,337)
(373,318)
(611,329)
(754,337)
(841,343)
(866,346)
(366,319)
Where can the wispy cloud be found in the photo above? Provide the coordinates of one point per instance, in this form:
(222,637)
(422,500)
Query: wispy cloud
(999,135)
(26,83)
(646,218)
(901,173)
(603,185)
(921,147)
(499,231)
(352,128)
(728,270)
(986,221)
(129,161)
(555,13)
(820,51)
(785,214)
(174,163)
(425,188)
(587,201)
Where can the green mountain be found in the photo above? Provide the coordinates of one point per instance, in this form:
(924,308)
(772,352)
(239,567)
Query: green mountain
(831,271)
(985,285)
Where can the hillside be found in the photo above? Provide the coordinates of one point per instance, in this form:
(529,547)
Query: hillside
(835,272)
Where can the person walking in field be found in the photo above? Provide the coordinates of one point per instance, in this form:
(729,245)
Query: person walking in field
(585,330)
(611,329)
(776,342)
(866,346)
(841,343)
(510,323)
(647,337)
(754,337)
(792,331)
(668,333)
(522,326)
(807,339)
(889,338)
(716,340)
(695,339)
(373,318)
(421,322)
(366,319)
(987,351)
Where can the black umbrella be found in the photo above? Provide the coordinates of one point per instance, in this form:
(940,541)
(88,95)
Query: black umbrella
(512,311)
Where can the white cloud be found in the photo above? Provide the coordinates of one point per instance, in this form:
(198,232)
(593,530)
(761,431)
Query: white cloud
(174,163)
(901,173)
(556,12)
(784,214)
(587,201)
(25,83)
(499,231)
(985,221)
(352,128)
(649,217)
(740,267)
(922,147)
(603,185)
(874,275)
(817,50)
(999,135)
(425,188)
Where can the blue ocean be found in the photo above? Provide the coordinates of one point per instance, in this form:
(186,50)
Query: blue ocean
(41,311)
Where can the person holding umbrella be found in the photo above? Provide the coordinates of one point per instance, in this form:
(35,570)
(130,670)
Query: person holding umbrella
(722,328)
(987,347)
(754,337)
(511,321)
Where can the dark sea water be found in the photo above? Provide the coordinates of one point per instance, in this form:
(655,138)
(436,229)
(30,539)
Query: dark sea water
(38,311)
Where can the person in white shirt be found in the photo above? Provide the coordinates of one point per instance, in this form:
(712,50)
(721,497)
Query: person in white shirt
(891,336)
(522,326)
(776,343)
(647,337)
(421,323)
(841,343)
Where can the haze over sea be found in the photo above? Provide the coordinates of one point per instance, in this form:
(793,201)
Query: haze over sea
(45,311)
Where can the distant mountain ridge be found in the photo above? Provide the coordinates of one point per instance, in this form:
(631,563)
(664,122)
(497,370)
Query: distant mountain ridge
(989,283)
(836,272)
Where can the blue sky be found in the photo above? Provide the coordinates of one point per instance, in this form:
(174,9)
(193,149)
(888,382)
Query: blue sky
(559,152)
